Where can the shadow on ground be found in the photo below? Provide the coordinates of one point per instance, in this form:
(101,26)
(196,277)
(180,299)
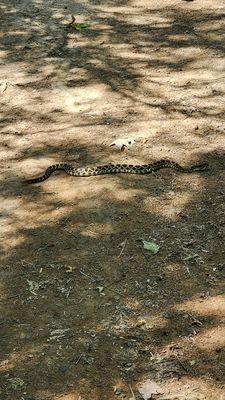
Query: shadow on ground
(85,307)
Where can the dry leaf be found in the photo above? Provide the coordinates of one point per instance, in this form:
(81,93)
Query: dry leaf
(121,143)
(148,388)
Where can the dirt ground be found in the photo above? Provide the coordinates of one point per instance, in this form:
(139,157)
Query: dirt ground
(86,311)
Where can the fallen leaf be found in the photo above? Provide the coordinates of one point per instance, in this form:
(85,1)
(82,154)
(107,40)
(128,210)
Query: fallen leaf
(149,388)
(153,247)
(80,26)
(77,25)
(121,143)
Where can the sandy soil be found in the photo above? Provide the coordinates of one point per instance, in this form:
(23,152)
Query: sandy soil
(87,312)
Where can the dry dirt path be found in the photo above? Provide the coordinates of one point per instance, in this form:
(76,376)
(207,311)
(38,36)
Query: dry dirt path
(87,313)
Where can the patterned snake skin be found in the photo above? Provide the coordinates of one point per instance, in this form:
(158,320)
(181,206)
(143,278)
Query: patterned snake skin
(117,168)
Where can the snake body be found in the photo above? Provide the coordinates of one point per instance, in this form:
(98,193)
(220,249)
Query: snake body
(117,168)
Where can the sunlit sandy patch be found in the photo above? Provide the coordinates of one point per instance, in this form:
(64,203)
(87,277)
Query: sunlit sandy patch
(173,204)
(70,396)
(211,339)
(211,306)
(11,239)
(94,191)
(78,99)
(192,388)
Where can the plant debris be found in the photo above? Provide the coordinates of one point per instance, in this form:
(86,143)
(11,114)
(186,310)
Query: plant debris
(78,25)
(121,143)
(151,246)
(149,388)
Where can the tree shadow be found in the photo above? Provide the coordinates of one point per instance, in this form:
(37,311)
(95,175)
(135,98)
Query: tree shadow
(85,307)
(81,315)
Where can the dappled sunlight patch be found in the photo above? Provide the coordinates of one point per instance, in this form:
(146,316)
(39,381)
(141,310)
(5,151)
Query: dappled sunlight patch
(11,238)
(27,215)
(8,227)
(26,355)
(37,211)
(211,339)
(77,99)
(73,255)
(97,230)
(213,306)
(90,92)
(70,396)
(94,190)
(173,204)
(32,214)
(139,19)
(191,388)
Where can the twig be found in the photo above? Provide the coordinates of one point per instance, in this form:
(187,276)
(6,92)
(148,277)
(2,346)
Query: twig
(195,319)
(123,247)
(73,20)
(132,392)
(79,358)
(187,369)
(88,276)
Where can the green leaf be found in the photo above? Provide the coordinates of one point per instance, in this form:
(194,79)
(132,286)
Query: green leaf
(79,26)
(153,247)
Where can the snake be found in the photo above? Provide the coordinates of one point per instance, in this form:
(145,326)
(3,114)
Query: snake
(117,168)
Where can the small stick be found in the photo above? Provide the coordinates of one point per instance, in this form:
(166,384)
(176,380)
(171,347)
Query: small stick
(123,247)
(195,319)
(132,392)
(88,276)
(79,358)
(182,365)
(73,20)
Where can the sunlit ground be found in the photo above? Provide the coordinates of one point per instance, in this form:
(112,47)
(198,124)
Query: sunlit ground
(86,311)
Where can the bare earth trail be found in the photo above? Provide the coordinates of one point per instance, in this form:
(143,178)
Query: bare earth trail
(86,311)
